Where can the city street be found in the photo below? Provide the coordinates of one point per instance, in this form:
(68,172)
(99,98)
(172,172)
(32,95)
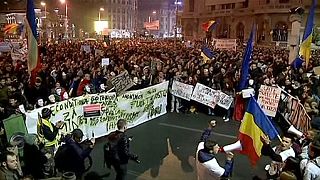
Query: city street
(166,147)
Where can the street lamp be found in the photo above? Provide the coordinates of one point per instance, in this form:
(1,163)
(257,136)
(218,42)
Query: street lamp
(43,4)
(66,18)
(177,3)
(153,13)
(101,9)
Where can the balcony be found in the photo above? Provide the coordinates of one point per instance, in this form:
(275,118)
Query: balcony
(273,8)
(217,13)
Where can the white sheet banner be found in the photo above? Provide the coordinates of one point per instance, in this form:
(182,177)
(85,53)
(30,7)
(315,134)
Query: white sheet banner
(134,106)
(269,99)
(182,90)
(205,95)
(228,44)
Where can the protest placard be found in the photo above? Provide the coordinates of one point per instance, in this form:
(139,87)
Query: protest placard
(135,107)
(105,62)
(122,82)
(205,95)
(182,90)
(225,100)
(228,44)
(293,112)
(14,125)
(269,99)
(85,48)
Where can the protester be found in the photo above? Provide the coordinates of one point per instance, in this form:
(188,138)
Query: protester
(9,166)
(310,168)
(72,158)
(278,154)
(207,165)
(118,150)
(48,135)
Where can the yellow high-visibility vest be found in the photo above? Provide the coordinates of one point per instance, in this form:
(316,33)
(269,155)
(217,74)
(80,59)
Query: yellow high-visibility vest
(40,124)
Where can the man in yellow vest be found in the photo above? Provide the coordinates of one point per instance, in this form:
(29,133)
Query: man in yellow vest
(48,135)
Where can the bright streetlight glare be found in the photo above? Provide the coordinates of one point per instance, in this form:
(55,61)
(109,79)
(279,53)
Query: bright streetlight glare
(63,1)
(154,12)
(43,3)
(101,9)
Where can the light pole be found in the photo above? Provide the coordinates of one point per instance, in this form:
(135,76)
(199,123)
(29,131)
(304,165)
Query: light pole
(43,27)
(101,9)
(66,19)
(177,3)
(43,4)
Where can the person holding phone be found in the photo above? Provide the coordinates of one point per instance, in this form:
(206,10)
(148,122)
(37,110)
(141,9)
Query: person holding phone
(72,155)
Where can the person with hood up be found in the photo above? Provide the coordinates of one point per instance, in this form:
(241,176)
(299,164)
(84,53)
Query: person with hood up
(206,163)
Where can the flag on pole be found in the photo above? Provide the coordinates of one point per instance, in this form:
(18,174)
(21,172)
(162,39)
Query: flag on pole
(209,26)
(239,108)
(255,124)
(34,63)
(305,46)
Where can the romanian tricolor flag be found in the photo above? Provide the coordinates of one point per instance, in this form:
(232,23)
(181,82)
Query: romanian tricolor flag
(34,63)
(11,28)
(207,54)
(239,107)
(305,46)
(209,26)
(255,124)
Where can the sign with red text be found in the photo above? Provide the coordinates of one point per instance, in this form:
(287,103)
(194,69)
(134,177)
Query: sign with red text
(269,99)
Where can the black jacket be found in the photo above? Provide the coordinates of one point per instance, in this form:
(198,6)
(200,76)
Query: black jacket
(122,147)
(74,157)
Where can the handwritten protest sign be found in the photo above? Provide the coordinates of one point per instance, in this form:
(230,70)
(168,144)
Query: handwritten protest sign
(225,100)
(269,99)
(205,95)
(122,82)
(85,48)
(135,106)
(105,62)
(293,111)
(182,90)
(228,44)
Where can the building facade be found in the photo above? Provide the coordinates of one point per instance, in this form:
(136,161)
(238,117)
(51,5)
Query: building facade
(236,17)
(120,14)
(167,14)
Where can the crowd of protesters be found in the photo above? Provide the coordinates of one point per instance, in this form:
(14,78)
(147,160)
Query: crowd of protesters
(67,71)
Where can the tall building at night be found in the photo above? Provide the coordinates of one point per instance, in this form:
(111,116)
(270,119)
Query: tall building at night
(165,12)
(236,17)
(120,14)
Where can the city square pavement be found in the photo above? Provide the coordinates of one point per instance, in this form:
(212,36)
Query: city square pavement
(166,147)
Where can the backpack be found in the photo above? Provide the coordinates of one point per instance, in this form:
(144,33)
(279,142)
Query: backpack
(111,149)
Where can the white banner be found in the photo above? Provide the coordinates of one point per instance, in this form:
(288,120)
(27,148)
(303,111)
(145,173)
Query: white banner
(135,106)
(205,95)
(182,90)
(269,99)
(229,44)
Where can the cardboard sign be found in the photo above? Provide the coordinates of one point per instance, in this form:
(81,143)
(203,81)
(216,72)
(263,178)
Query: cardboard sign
(182,90)
(269,99)
(105,62)
(122,82)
